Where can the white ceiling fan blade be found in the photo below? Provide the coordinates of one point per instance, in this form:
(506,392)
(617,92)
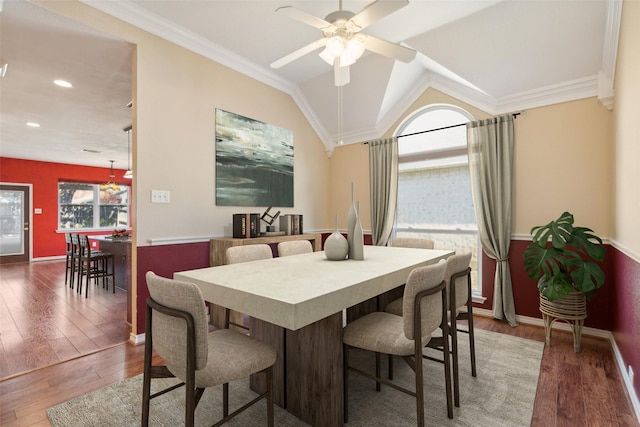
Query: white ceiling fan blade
(304,17)
(377,10)
(299,53)
(341,74)
(392,50)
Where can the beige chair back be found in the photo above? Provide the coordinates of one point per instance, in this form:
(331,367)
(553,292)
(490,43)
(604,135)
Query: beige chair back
(169,332)
(412,242)
(421,279)
(237,254)
(294,247)
(458,263)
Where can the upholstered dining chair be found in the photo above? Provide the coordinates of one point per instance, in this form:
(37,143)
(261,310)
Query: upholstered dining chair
(246,253)
(177,329)
(458,279)
(294,247)
(396,305)
(412,242)
(424,311)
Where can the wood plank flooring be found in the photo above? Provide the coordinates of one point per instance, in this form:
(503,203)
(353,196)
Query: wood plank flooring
(43,322)
(583,389)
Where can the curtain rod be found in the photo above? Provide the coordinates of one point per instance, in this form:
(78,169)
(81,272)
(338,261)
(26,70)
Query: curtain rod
(514,115)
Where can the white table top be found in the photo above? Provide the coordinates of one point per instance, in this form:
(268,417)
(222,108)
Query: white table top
(298,290)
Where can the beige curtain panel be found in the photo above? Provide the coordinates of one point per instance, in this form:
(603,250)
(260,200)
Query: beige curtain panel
(383,177)
(490,143)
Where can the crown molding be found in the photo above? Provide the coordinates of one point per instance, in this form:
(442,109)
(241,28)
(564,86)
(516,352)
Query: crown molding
(140,18)
(607,75)
(553,94)
(600,86)
(611,36)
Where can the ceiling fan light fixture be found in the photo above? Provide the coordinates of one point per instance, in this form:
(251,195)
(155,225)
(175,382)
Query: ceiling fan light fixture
(354,50)
(348,49)
(326,56)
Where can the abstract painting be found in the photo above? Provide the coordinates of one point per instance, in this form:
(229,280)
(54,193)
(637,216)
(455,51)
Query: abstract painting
(254,162)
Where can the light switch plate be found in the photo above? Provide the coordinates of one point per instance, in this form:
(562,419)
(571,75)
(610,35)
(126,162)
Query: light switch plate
(160,196)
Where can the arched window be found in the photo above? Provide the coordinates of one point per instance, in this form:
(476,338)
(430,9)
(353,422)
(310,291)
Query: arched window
(434,188)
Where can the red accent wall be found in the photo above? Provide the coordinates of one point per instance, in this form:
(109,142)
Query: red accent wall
(44,177)
(164,261)
(525,290)
(626,311)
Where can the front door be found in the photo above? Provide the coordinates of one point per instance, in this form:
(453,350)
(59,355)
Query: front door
(14,223)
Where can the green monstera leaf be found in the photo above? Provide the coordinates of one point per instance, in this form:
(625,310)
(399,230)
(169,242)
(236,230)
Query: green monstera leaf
(564,258)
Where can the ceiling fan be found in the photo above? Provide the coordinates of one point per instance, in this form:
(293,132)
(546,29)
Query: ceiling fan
(342,40)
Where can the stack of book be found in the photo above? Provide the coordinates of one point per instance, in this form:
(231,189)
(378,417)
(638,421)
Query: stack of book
(246,225)
(291,224)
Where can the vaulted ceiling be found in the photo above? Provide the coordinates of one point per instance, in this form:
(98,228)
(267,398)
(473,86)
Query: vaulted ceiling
(499,56)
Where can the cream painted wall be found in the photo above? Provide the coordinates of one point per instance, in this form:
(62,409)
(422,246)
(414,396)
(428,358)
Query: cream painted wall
(627,128)
(176,94)
(563,155)
(564,162)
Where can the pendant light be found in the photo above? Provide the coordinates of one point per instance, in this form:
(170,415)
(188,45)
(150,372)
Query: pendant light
(111,184)
(128,174)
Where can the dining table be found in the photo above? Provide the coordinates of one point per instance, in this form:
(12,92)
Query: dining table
(297,304)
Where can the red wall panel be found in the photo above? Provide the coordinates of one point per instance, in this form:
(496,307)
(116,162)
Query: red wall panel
(525,290)
(626,314)
(164,261)
(44,177)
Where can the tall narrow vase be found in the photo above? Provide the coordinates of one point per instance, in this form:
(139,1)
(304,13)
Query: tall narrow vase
(336,247)
(357,253)
(352,218)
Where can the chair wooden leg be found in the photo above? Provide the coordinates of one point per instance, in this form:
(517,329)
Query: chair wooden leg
(472,345)
(86,290)
(454,351)
(345,382)
(270,396)
(447,371)
(146,379)
(225,400)
(419,388)
(378,385)
(190,401)
(390,367)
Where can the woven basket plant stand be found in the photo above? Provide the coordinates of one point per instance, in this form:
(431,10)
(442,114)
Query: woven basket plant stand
(571,308)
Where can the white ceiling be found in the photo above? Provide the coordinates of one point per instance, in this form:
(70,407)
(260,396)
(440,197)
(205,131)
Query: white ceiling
(499,56)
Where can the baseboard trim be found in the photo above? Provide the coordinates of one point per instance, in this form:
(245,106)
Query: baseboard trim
(136,339)
(601,333)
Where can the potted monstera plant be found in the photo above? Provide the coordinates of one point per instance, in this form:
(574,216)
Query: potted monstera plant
(564,259)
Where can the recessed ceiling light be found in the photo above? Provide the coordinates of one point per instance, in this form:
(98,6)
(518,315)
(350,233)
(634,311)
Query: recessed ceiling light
(33,124)
(88,150)
(63,83)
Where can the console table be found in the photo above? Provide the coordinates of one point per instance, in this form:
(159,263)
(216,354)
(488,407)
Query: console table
(218,246)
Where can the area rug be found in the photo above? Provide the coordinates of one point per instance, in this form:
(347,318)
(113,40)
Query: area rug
(502,394)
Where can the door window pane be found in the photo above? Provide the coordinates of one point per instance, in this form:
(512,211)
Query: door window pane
(11,222)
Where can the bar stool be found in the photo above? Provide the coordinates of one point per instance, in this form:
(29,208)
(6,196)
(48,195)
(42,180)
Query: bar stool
(94,265)
(70,260)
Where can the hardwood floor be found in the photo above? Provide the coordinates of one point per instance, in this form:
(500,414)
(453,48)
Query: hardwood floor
(43,322)
(583,389)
